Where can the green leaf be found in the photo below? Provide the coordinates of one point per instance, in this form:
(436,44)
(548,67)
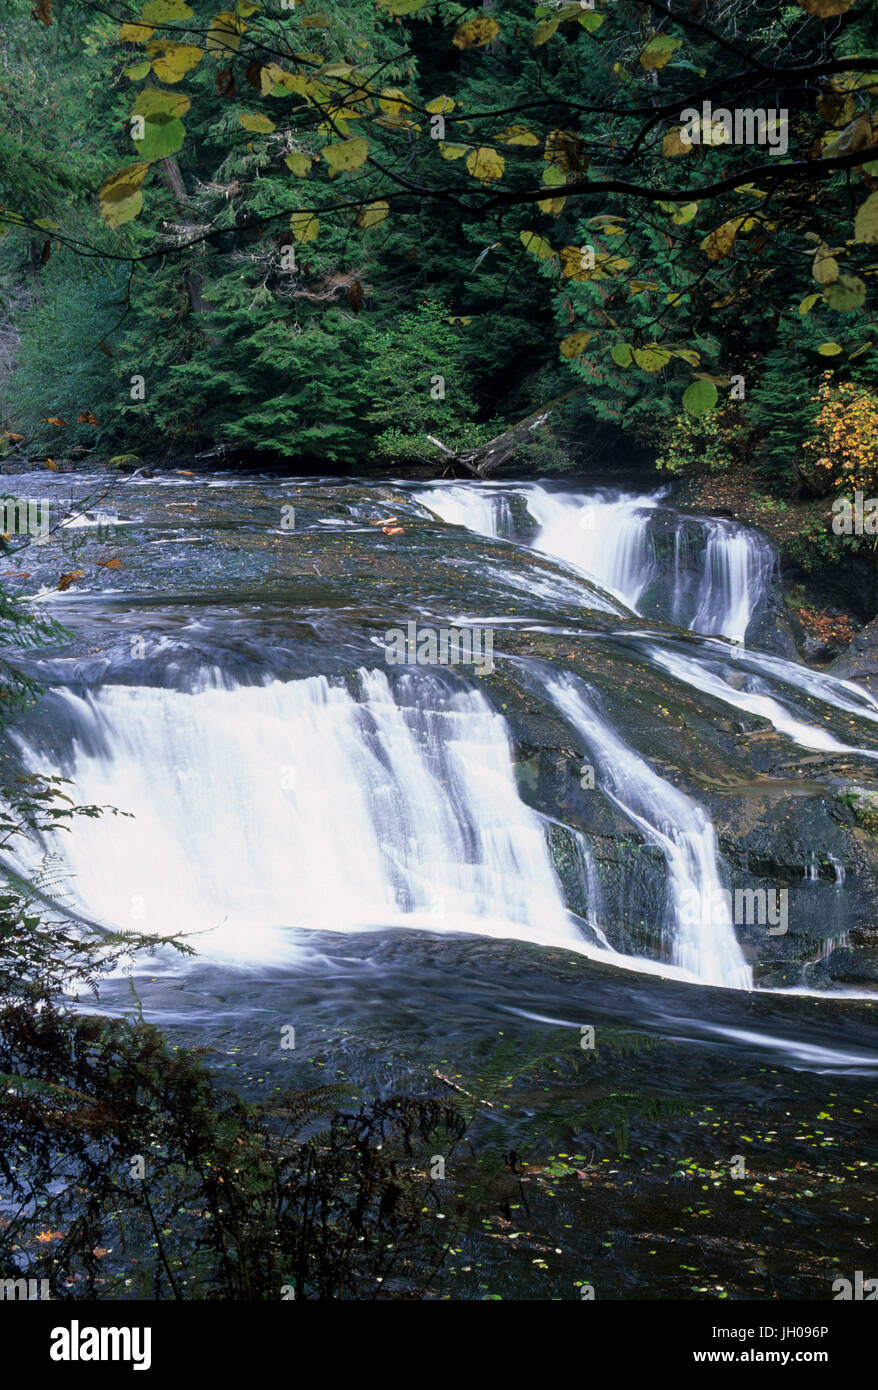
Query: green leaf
(161,139)
(699,397)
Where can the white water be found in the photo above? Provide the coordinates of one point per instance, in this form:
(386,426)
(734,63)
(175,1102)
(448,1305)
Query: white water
(678,826)
(737,569)
(751,695)
(478,508)
(261,810)
(606,536)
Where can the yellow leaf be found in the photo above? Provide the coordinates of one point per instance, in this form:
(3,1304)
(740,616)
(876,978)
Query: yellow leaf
(575,266)
(829,349)
(372,214)
(223,36)
(122,210)
(826,9)
(808,303)
(866,220)
(448,151)
(574,345)
(254,120)
(304,225)
(824,267)
(475,33)
(394,101)
(346,154)
(658,52)
(440,104)
(485,164)
(536,245)
(517,135)
(856,135)
(165,11)
(652,357)
(158,106)
(135,33)
(674,145)
(718,243)
(119,196)
(173,60)
(299,163)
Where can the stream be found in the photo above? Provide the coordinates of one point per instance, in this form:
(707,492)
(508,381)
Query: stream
(631,807)
(305,809)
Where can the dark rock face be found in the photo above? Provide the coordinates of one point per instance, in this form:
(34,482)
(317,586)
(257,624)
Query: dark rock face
(860,662)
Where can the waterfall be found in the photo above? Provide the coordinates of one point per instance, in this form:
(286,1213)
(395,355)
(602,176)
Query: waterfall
(603,534)
(699,923)
(261,810)
(713,577)
(735,573)
(478,508)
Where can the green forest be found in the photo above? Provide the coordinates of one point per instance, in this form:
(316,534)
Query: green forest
(325,234)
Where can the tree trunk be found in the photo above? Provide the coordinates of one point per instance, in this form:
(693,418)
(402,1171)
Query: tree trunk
(486,459)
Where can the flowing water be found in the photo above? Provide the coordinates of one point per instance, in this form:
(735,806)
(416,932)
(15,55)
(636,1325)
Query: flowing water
(356,836)
(709,574)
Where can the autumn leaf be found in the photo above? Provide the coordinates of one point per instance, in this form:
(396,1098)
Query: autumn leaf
(475,33)
(658,52)
(826,9)
(255,121)
(485,164)
(574,345)
(67,579)
(673,144)
(372,214)
(347,154)
(536,245)
(866,220)
(304,225)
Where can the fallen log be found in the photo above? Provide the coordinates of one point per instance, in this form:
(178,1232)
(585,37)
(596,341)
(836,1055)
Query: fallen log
(485,459)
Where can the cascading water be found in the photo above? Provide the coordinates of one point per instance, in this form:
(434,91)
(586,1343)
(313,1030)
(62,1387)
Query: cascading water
(481,509)
(260,810)
(605,535)
(698,922)
(736,570)
(712,577)
(749,691)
